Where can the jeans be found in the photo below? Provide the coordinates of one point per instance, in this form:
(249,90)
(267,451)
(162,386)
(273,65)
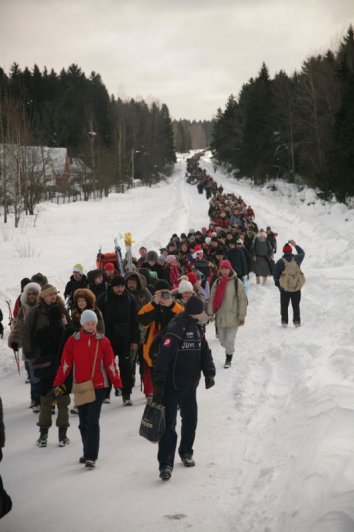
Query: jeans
(34,381)
(187,401)
(89,415)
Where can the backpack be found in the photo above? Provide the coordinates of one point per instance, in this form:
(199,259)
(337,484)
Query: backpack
(292,279)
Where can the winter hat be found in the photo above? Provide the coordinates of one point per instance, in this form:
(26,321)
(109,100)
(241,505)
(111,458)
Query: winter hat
(88,315)
(39,278)
(78,268)
(54,313)
(152,256)
(109,266)
(97,273)
(225,264)
(185,286)
(162,284)
(118,281)
(207,240)
(29,286)
(194,305)
(24,281)
(48,290)
(192,278)
(170,259)
(198,247)
(162,258)
(287,248)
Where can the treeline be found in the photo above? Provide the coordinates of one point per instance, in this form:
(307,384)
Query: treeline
(301,125)
(191,135)
(115,138)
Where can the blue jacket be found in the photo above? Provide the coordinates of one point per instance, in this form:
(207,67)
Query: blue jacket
(279,266)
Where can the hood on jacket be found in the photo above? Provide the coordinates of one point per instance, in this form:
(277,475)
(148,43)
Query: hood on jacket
(139,278)
(27,288)
(87,294)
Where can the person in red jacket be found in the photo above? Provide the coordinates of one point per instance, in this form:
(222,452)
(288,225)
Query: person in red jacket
(79,356)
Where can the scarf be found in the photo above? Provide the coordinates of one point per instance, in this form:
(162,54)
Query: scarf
(220,293)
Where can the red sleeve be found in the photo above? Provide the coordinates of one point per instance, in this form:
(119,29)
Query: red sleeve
(17,307)
(110,364)
(66,363)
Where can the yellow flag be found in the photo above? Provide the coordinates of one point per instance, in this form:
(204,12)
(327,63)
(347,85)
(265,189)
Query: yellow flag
(128,239)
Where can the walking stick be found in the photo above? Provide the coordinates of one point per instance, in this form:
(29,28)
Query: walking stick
(17,359)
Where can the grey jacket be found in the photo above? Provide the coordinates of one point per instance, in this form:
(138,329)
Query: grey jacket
(233,308)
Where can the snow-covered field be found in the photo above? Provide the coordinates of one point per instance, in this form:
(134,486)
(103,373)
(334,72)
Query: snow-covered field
(275,440)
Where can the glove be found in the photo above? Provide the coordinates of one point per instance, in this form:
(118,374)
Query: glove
(117,392)
(14,346)
(159,392)
(57,391)
(209,382)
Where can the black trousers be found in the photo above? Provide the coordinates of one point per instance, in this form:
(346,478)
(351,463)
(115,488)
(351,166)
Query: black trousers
(89,415)
(187,401)
(126,374)
(285,298)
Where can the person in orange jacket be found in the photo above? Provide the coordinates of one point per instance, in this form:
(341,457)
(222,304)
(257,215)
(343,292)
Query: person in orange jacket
(155,316)
(90,356)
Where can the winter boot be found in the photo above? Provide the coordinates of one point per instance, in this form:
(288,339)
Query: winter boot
(297,324)
(228,361)
(188,460)
(166,473)
(127,401)
(90,464)
(36,407)
(63,439)
(43,438)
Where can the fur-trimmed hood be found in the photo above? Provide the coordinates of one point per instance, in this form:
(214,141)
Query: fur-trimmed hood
(27,288)
(87,294)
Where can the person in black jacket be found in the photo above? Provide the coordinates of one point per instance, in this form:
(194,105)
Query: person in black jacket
(5,500)
(184,353)
(119,310)
(77,280)
(51,340)
(286,296)
(237,258)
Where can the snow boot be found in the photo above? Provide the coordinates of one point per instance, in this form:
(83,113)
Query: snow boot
(166,473)
(228,361)
(63,439)
(127,401)
(90,464)
(188,460)
(43,438)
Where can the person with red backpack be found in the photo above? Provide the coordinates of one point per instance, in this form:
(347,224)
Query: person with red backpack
(289,279)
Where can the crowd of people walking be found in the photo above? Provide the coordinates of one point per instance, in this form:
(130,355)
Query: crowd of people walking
(152,317)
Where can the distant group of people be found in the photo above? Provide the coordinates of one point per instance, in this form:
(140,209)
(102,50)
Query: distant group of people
(153,316)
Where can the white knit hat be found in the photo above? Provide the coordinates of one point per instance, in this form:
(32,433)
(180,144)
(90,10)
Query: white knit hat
(88,315)
(185,286)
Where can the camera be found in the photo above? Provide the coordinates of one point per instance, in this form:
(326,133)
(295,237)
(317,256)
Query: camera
(165,294)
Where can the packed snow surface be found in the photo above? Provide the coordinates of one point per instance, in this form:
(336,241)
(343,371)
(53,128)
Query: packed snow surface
(275,439)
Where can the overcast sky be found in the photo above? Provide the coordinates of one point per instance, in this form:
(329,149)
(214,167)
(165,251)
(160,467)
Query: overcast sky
(189,54)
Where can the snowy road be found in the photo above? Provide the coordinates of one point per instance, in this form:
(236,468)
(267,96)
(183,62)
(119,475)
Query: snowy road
(274,445)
